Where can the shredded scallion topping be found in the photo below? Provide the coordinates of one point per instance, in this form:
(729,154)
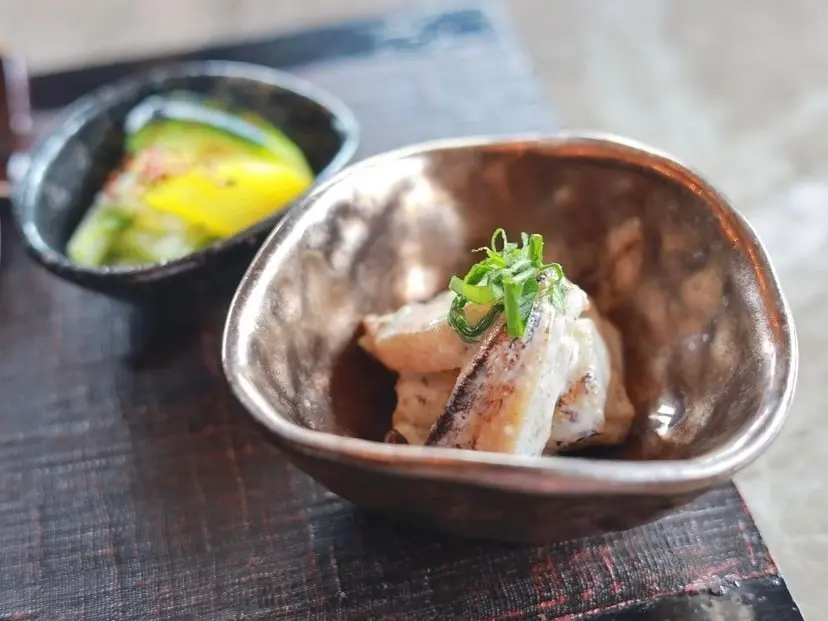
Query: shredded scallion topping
(506,281)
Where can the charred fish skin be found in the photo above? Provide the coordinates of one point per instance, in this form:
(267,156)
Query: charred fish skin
(466,392)
(502,401)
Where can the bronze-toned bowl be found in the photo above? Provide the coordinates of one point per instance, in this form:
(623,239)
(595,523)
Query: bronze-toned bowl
(710,346)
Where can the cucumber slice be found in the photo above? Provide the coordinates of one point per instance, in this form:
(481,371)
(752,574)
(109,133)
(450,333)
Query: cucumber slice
(186,122)
(95,236)
(142,244)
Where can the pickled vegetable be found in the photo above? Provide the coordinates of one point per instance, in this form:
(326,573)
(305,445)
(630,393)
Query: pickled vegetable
(192,174)
(208,196)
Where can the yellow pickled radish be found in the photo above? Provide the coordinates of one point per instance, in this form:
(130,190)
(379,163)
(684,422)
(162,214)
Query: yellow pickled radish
(231,195)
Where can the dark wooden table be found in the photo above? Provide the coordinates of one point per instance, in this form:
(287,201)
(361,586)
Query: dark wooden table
(133,486)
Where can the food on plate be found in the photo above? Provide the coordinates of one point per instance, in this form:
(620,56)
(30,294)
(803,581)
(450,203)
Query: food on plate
(192,173)
(513,358)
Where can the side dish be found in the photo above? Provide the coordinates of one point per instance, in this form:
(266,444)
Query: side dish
(192,173)
(513,358)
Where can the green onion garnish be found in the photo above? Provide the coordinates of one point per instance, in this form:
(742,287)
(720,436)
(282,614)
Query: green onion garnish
(507,281)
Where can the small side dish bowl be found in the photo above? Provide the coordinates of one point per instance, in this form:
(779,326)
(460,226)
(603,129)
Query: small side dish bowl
(66,168)
(710,347)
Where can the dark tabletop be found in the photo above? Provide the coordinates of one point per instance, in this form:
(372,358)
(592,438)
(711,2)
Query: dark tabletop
(133,486)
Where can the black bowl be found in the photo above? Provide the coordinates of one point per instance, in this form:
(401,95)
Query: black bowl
(68,165)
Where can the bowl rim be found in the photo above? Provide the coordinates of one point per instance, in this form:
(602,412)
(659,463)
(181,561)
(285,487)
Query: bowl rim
(41,155)
(547,475)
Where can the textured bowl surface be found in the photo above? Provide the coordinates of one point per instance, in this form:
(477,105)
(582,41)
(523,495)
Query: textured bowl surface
(69,165)
(710,347)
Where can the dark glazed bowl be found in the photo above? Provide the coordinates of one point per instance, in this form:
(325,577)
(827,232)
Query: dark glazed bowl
(710,346)
(68,166)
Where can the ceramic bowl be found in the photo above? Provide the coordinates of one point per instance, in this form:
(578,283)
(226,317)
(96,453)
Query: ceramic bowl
(709,343)
(67,166)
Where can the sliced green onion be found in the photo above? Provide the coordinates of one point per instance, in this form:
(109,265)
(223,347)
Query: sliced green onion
(515,326)
(478,294)
(470,333)
(536,249)
(502,234)
(555,267)
(558,296)
(507,280)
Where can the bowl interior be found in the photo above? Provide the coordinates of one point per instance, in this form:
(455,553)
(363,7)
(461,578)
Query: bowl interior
(70,165)
(707,341)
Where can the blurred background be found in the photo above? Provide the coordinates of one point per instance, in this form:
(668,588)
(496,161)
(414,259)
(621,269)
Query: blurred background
(736,89)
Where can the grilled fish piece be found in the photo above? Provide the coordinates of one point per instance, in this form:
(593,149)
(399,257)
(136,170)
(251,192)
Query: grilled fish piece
(579,413)
(619,412)
(595,410)
(417,337)
(503,398)
(421,397)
